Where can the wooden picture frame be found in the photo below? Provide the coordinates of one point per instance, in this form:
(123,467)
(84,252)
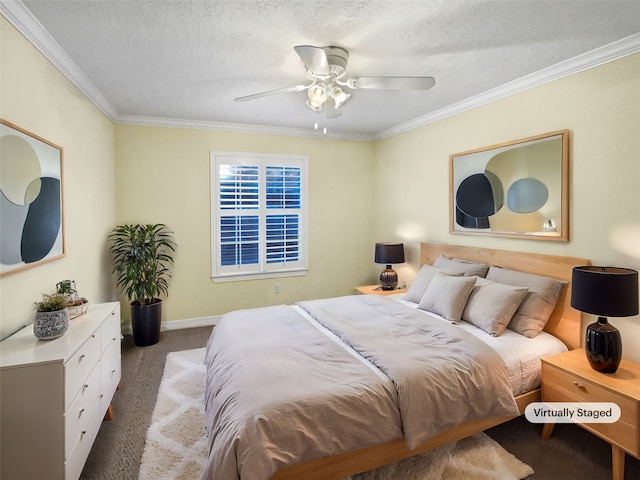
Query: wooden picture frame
(517,189)
(31,209)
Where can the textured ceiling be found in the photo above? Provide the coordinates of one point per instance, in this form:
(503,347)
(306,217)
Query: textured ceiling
(185,61)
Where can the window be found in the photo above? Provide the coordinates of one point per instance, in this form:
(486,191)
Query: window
(259,210)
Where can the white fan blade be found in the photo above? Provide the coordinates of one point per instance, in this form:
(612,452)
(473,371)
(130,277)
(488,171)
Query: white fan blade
(295,88)
(392,83)
(314,59)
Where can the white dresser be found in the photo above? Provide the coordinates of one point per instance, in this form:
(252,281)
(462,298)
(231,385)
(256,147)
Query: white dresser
(55,393)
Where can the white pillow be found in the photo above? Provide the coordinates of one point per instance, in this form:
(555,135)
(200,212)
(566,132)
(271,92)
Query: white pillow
(467,266)
(534,311)
(447,296)
(491,305)
(422,281)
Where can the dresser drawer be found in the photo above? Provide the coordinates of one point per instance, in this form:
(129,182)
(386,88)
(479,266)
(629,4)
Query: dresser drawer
(74,463)
(110,376)
(110,330)
(76,417)
(79,366)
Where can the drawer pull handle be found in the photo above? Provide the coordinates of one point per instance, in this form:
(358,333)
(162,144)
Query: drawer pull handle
(581,387)
(86,385)
(83,432)
(82,356)
(81,412)
(113,371)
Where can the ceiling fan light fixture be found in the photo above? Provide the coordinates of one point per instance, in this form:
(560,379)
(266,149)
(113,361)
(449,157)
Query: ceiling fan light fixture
(317,94)
(339,96)
(314,107)
(325,67)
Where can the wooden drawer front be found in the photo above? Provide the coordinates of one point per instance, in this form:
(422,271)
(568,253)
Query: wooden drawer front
(620,433)
(110,377)
(559,386)
(78,368)
(75,418)
(110,330)
(581,390)
(74,463)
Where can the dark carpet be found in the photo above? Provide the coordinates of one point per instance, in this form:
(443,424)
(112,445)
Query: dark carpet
(571,454)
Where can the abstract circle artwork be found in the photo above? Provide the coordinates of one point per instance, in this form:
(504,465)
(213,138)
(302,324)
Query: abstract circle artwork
(527,195)
(30,200)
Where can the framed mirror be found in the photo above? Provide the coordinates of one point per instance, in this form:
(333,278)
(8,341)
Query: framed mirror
(515,189)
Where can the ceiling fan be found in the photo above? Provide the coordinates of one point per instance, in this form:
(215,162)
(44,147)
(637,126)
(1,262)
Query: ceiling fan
(325,68)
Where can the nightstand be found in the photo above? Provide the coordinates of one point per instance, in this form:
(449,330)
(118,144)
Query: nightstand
(376,290)
(567,377)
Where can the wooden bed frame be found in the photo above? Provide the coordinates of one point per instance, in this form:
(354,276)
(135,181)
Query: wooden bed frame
(564,323)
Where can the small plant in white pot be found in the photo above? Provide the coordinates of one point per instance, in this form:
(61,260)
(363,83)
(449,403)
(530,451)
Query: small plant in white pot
(52,317)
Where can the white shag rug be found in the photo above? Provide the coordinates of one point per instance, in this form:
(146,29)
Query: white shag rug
(176,446)
(475,458)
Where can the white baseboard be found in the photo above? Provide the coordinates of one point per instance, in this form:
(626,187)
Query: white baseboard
(191,323)
(180,324)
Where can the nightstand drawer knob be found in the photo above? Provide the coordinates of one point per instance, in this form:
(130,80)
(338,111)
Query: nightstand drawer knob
(581,387)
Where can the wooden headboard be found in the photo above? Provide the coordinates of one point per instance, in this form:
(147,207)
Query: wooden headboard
(564,322)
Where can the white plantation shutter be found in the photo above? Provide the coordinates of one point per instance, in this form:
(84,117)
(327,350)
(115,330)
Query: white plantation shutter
(258,215)
(238,197)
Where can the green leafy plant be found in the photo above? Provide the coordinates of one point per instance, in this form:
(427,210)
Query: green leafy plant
(51,302)
(64,287)
(142,256)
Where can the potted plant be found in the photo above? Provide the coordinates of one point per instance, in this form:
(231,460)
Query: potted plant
(52,317)
(76,304)
(142,256)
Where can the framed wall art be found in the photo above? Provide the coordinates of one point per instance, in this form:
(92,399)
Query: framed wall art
(516,189)
(31,209)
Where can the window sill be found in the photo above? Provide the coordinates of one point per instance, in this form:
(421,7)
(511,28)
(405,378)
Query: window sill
(257,276)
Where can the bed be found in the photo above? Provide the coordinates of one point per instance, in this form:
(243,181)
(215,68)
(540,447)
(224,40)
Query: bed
(322,390)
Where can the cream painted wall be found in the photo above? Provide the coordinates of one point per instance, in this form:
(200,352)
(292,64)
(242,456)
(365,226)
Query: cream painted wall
(598,106)
(163,177)
(37,97)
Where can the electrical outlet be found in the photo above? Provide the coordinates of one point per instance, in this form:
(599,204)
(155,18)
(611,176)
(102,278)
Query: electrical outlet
(276,288)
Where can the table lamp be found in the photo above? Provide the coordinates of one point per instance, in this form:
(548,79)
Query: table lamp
(389,253)
(605,292)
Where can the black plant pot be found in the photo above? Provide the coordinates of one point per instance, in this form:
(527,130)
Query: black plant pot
(145,322)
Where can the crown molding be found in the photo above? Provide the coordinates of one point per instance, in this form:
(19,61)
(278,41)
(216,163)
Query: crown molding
(239,128)
(24,21)
(593,58)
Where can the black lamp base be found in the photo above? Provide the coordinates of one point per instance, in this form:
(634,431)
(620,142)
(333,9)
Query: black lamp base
(388,279)
(603,346)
